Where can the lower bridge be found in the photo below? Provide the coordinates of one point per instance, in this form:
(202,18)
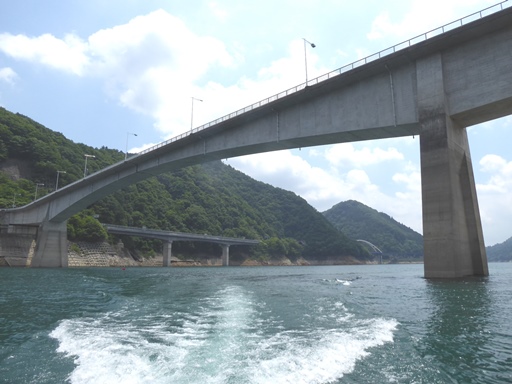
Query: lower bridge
(168,237)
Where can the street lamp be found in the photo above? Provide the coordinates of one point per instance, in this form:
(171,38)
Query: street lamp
(192,112)
(57,182)
(305,56)
(128,135)
(85,166)
(14,199)
(38,185)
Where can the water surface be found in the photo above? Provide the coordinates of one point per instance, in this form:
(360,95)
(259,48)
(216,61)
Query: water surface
(336,324)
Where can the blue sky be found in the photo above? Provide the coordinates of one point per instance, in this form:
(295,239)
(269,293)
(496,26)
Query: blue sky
(98,70)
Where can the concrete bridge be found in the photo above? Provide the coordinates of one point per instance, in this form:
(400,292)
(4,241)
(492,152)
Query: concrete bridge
(374,248)
(453,77)
(168,238)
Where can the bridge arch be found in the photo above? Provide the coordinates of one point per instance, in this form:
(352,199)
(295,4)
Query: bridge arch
(374,248)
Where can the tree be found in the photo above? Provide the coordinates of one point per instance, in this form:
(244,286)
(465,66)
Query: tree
(83,227)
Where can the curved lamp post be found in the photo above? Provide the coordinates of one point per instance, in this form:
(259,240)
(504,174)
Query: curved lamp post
(127,136)
(305,56)
(57,182)
(37,186)
(85,166)
(14,199)
(192,112)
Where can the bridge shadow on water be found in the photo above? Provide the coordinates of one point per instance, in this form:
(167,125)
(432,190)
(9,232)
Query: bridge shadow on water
(458,331)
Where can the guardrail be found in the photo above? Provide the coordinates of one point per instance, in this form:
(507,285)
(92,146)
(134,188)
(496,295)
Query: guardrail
(424,36)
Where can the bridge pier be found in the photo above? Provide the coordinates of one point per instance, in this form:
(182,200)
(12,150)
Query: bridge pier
(167,253)
(452,230)
(51,246)
(225,255)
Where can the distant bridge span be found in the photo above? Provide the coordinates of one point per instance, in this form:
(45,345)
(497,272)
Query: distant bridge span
(373,247)
(168,237)
(457,77)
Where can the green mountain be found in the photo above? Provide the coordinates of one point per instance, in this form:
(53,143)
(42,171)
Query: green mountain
(500,252)
(210,198)
(360,222)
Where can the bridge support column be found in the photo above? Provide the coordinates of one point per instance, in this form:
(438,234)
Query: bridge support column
(225,255)
(452,230)
(51,246)
(167,253)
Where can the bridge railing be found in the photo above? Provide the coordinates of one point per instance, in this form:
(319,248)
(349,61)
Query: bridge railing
(145,232)
(405,44)
(424,36)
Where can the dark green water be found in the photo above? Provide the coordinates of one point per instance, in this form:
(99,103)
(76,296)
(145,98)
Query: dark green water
(342,324)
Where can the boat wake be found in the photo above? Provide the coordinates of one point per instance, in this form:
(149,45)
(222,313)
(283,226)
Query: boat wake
(228,337)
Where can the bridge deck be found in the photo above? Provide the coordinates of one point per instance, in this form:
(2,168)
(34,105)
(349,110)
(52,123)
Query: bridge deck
(176,236)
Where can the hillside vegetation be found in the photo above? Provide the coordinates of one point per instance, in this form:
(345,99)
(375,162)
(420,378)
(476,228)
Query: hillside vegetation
(500,252)
(210,198)
(358,221)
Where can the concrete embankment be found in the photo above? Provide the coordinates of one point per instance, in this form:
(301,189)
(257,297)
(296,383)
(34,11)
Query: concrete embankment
(84,254)
(17,251)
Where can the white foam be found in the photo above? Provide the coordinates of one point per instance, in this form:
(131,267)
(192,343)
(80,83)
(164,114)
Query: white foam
(323,356)
(231,338)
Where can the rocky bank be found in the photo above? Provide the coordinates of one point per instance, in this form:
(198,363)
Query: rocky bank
(19,252)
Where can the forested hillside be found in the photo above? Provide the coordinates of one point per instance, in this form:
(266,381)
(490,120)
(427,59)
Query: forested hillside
(500,252)
(211,198)
(358,221)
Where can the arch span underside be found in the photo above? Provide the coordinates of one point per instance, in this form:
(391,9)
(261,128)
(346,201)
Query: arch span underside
(434,89)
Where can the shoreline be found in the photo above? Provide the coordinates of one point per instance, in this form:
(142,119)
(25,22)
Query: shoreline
(83,254)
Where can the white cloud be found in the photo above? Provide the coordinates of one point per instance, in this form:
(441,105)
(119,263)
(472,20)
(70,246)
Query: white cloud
(495,198)
(153,64)
(411,180)
(490,163)
(323,189)
(8,75)
(218,11)
(69,54)
(346,155)
(422,16)
(406,207)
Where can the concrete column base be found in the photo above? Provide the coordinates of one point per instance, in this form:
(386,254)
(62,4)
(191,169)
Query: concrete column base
(51,246)
(225,255)
(167,253)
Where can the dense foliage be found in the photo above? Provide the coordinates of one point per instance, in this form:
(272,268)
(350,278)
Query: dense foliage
(358,221)
(500,252)
(210,198)
(86,228)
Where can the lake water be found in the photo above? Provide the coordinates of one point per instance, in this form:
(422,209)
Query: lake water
(338,324)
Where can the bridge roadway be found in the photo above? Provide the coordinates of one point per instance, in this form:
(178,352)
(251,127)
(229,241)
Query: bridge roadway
(168,238)
(455,77)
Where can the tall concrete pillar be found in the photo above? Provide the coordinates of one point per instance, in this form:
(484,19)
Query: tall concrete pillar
(452,230)
(225,255)
(51,246)
(167,253)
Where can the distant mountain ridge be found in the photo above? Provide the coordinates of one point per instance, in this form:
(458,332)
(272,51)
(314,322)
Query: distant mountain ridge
(500,252)
(360,222)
